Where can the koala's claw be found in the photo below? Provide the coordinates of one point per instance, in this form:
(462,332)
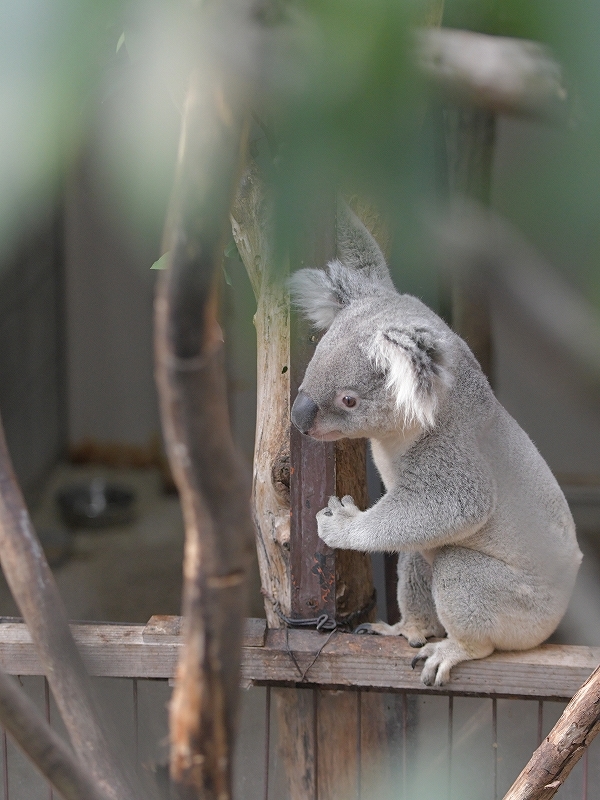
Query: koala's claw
(415,660)
(365,628)
(440,657)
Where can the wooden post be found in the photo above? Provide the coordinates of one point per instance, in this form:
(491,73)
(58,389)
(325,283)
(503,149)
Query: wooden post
(323,581)
(470,136)
(312,463)
(301,577)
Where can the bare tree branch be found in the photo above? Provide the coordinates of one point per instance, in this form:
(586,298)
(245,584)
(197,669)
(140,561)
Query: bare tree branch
(44,746)
(34,589)
(554,759)
(496,73)
(271,482)
(214,489)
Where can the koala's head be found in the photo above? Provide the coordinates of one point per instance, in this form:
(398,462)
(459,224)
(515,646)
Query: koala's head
(383,363)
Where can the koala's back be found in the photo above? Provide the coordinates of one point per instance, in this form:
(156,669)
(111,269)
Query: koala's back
(531,526)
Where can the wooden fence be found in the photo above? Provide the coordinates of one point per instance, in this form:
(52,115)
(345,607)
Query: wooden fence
(466,740)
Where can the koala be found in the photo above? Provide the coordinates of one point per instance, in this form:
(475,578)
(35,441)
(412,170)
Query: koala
(487,550)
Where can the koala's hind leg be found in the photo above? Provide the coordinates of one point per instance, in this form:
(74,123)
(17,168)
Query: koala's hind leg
(418,617)
(484,604)
(440,657)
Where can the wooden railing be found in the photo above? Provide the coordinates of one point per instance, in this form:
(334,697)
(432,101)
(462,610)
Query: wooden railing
(277,657)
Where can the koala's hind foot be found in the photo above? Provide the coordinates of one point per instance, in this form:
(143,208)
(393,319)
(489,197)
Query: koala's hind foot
(440,657)
(416,634)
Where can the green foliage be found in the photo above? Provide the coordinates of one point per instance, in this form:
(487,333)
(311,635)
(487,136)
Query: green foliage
(339,103)
(163,261)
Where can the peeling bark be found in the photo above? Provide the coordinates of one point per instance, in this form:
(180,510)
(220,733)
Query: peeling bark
(270,489)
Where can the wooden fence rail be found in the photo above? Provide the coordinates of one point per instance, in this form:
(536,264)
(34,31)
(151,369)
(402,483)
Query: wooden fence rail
(550,672)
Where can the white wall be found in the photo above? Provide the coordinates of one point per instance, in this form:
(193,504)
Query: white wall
(109,297)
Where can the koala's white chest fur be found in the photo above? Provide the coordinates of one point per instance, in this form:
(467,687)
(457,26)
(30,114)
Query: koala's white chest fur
(387,453)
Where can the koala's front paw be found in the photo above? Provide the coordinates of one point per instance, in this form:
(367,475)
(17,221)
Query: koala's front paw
(334,522)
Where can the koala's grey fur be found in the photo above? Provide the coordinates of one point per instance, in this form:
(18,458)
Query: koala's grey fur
(486,542)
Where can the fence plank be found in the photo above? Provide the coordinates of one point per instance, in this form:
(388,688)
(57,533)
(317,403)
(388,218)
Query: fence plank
(550,671)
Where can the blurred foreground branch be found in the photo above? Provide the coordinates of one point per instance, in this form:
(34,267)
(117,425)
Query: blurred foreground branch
(34,589)
(192,387)
(474,241)
(54,759)
(496,73)
(554,759)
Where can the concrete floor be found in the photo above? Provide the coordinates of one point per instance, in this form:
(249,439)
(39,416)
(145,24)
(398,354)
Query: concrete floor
(124,573)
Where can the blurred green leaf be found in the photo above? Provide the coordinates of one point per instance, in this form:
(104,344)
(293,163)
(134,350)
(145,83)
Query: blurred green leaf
(163,261)
(231,250)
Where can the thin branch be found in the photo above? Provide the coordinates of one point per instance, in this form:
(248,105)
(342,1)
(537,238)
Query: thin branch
(34,589)
(568,740)
(43,746)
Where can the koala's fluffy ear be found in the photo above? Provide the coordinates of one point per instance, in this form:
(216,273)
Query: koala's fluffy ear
(415,362)
(360,270)
(357,248)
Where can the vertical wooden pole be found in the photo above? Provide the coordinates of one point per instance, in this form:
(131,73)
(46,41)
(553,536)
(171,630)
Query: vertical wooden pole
(470,137)
(312,463)
(322,580)
(334,582)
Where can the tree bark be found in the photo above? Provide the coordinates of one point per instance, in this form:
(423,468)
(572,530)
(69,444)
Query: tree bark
(44,747)
(271,481)
(34,589)
(554,759)
(190,374)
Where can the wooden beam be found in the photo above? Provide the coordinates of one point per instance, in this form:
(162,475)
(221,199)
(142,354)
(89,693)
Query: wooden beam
(551,672)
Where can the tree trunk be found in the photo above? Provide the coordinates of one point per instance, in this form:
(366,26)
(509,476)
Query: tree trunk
(271,480)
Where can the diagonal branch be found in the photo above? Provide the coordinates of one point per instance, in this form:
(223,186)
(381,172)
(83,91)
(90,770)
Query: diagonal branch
(554,759)
(43,746)
(34,589)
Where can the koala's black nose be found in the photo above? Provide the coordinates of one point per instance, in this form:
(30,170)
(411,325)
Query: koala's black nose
(304,412)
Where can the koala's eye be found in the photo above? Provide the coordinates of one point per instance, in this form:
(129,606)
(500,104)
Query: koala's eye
(347,399)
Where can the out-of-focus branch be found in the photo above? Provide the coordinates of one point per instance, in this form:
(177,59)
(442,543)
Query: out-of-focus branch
(474,241)
(213,486)
(34,589)
(57,762)
(499,74)
(554,759)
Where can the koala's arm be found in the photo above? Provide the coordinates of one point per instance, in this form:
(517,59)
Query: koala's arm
(441,499)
